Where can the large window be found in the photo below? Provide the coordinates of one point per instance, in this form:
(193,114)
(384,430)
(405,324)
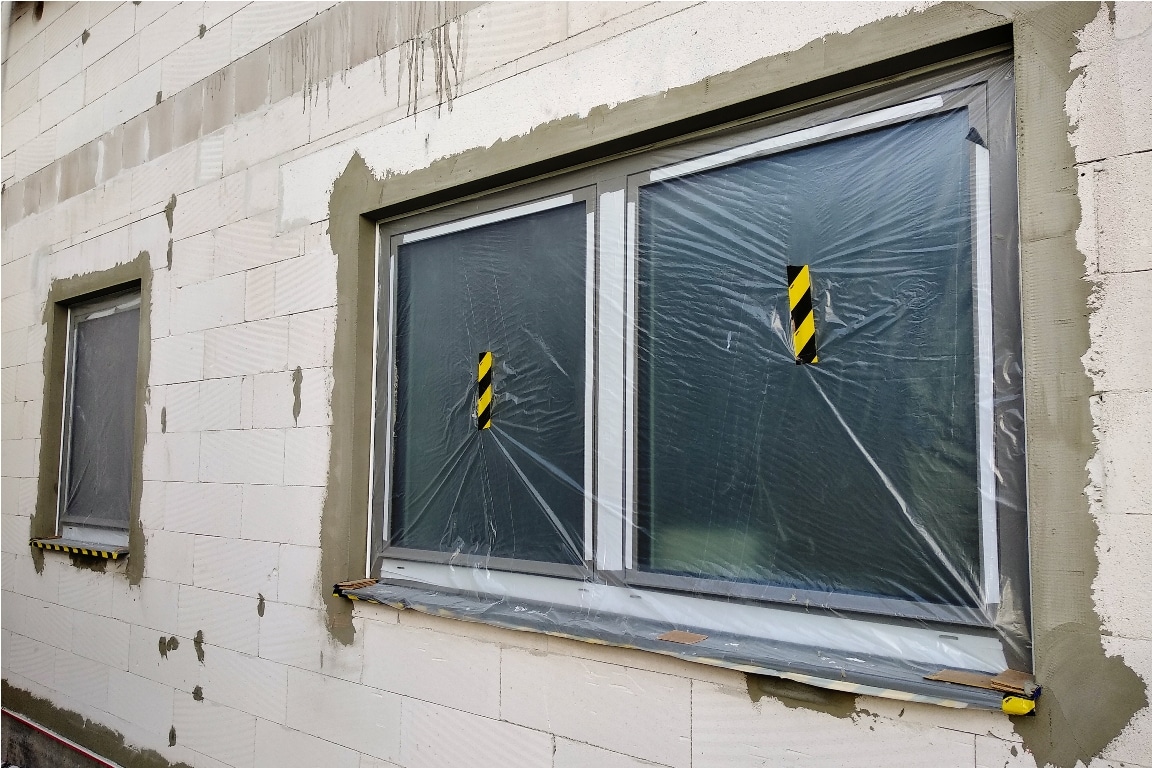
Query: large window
(774,364)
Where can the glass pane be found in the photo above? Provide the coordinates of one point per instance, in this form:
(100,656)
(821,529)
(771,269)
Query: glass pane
(514,288)
(856,474)
(103,419)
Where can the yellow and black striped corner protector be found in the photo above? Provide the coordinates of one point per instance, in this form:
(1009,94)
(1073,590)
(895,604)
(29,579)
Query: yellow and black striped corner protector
(484,391)
(111,553)
(344,588)
(803,319)
(1018,705)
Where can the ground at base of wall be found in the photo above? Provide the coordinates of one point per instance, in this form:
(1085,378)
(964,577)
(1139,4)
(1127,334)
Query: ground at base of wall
(23,747)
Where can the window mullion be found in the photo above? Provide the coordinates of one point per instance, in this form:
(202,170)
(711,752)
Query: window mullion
(611,431)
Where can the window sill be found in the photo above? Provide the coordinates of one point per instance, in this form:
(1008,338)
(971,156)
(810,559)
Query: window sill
(80,547)
(873,675)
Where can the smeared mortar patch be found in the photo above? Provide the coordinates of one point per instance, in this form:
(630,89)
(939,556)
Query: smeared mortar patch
(260,605)
(198,643)
(73,726)
(198,693)
(84,37)
(163,419)
(297,380)
(343,538)
(86,563)
(1088,699)
(796,695)
(169,210)
(172,736)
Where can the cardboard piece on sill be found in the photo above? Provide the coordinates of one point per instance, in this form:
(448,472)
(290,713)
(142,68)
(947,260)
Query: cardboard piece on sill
(684,638)
(341,587)
(1008,681)
(960,677)
(1011,681)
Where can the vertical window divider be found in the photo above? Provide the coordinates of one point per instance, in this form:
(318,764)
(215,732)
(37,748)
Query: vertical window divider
(611,434)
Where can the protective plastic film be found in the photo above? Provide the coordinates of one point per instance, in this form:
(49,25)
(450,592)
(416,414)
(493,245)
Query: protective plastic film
(100,417)
(807,424)
(512,291)
(854,474)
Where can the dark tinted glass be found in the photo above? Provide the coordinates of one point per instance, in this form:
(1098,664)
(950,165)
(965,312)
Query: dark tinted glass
(102,417)
(515,288)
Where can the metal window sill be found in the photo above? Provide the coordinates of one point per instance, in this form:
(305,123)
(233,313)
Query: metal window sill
(885,677)
(80,547)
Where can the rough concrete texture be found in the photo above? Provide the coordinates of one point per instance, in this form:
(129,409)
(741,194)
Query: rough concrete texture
(226,152)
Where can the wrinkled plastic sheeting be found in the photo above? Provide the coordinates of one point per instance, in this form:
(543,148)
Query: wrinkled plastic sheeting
(101,419)
(515,289)
(858,476)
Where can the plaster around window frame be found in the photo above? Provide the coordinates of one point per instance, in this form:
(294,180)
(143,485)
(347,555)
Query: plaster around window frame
(1089,697)
(135,274)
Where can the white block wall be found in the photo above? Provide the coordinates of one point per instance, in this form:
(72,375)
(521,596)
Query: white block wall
(234,484)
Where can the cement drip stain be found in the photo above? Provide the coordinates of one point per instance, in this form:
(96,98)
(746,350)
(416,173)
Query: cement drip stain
(297,382)
(796,695)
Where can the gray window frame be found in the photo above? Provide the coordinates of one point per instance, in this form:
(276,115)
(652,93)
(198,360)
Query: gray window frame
(612,454)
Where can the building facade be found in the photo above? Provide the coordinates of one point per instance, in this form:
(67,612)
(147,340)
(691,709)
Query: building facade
(811,365)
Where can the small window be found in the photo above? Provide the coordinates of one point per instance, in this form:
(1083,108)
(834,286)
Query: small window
(99,418)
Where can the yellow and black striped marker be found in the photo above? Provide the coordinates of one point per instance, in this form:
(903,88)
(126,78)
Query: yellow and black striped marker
(484,391)
(113,553)
(803,319)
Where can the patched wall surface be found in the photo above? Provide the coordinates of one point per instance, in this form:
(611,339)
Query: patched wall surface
(209,136)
